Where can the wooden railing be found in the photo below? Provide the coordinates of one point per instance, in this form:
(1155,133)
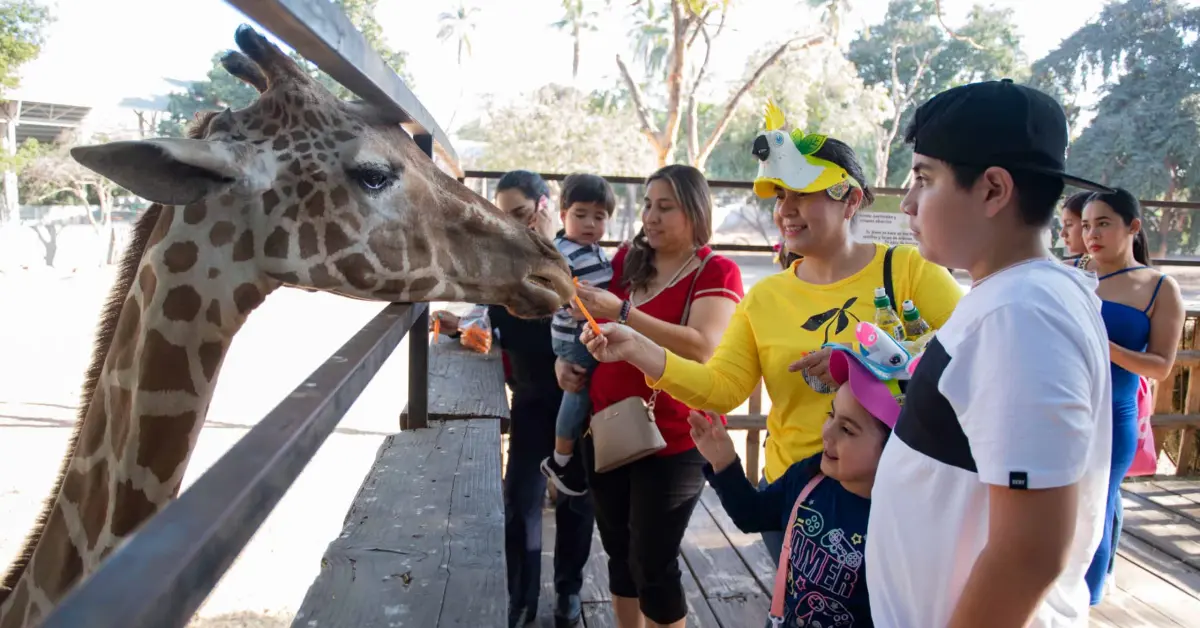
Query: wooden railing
(162,574)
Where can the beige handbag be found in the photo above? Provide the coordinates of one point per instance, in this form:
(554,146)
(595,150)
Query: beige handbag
(626,431)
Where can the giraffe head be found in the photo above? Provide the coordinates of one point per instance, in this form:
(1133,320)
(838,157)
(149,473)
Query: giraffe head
(325,194)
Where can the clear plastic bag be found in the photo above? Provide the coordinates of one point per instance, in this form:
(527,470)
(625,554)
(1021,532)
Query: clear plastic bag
(476,329)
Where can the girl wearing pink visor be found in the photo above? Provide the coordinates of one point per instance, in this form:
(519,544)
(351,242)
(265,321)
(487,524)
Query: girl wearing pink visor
(820,503)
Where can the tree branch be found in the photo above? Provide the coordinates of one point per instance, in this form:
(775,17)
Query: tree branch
(937,8)
(639,104)
(732,103)
(693,104)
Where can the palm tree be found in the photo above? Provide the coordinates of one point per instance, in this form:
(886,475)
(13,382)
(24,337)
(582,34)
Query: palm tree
(457,27)
(577,19)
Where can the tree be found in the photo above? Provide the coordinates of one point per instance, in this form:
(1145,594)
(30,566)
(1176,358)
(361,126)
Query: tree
(1147,124)
(55,175)
(913,55)
(559,129)
(457,27)
(667,41)
(819,91)
(577,19)
(22,32)
(221,89)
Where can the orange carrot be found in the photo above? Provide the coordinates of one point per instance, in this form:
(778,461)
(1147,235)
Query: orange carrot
(437,327)
(591,321)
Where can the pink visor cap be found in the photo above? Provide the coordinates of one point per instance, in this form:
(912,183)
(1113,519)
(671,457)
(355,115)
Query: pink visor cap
(879,397)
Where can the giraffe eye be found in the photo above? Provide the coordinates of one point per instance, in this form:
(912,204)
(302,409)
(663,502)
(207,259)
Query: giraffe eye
(373,178)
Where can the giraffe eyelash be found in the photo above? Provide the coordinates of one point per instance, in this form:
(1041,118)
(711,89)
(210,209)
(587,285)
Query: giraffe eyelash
(373,178)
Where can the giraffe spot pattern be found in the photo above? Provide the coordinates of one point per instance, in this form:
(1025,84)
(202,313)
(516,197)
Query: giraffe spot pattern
(335,238)
(303,189)
(270,199)
(213,315)
(164,366)
(121,401)
(181,304)
(210,358)
(392,288)
(91,435)
(181,256)
(130,508)
(163,442)
(89,492)
(58,565)
(243,250)
(280,143)
(357,270)
(222,233)
(165,220)
(315,205)
(308,241)
(247,297)
(148,282)
(421,286)
(120,352)
(276,245)
(213,273)
(339,196)
(20,599)
(320,277)
(291,279)
(194,214)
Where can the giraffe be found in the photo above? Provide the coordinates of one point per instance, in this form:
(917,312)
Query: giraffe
(299,189)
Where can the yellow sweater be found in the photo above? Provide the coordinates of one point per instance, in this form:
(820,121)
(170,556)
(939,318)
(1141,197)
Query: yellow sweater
(769,331)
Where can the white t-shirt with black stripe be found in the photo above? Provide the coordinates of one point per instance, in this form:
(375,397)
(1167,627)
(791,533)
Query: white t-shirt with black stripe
(1015,391)
(588,263)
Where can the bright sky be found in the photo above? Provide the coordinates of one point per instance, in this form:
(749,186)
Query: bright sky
(102,52)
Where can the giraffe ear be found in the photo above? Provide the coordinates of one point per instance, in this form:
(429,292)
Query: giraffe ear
(170,171)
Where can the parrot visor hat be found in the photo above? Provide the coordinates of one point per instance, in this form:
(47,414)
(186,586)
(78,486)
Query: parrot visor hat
(786,160)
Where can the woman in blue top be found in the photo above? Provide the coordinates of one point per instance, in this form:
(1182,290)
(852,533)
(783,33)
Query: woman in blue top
(1144,314)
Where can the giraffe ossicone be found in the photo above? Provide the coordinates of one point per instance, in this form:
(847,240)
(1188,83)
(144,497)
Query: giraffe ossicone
(300,189)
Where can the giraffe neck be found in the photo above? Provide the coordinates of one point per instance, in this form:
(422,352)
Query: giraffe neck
(195,286)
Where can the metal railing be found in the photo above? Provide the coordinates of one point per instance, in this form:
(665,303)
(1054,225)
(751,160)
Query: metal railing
(164,572)
(721,184)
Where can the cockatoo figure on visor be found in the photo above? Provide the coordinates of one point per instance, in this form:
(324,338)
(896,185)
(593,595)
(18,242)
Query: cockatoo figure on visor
(785,160)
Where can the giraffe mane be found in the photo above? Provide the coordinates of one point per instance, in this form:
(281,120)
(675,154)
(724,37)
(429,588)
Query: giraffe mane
(105,330)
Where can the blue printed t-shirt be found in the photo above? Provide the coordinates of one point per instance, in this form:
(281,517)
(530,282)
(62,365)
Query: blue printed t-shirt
(827,584)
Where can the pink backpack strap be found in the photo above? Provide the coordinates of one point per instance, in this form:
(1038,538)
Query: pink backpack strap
(781,573)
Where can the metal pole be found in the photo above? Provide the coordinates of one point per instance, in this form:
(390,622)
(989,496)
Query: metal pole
(418,344)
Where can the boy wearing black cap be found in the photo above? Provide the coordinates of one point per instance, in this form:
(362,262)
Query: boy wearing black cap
(1006,427)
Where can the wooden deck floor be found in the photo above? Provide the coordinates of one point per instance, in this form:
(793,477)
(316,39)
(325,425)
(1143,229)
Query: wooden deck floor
(727,574)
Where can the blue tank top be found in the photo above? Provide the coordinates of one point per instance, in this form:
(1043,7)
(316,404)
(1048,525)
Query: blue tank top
(1128,327)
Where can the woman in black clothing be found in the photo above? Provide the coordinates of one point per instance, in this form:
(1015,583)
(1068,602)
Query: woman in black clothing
(535,400)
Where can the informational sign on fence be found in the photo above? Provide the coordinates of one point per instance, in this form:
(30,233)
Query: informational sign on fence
(887,227)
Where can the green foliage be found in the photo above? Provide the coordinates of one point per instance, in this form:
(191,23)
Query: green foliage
(818,90)
(1146,129)
(221,90)
(22,32)
(560,129)
(929,60)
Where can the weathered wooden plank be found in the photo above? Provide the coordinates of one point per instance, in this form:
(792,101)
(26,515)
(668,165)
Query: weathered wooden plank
(595,573)
(463,384)
(700,614)
(476,592)
(1163,529)
(1164,566)
(1189,490)
(732,591)
(1155,592)
(749,546)
(1126,611)
(402,549)
(1170,500)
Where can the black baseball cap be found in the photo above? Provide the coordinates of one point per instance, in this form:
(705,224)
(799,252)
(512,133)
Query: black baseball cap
(997,123)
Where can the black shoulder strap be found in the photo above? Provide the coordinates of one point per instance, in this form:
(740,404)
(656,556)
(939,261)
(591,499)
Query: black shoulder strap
(887,277)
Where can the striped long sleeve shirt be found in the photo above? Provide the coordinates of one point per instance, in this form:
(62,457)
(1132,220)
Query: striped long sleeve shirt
(588,263)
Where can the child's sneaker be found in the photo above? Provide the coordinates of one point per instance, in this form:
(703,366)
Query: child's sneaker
(567,479)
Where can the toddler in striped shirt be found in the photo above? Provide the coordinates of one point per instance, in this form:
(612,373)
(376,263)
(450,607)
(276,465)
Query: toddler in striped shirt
(586,204)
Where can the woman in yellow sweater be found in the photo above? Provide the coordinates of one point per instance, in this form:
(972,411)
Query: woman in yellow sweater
(782,322)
